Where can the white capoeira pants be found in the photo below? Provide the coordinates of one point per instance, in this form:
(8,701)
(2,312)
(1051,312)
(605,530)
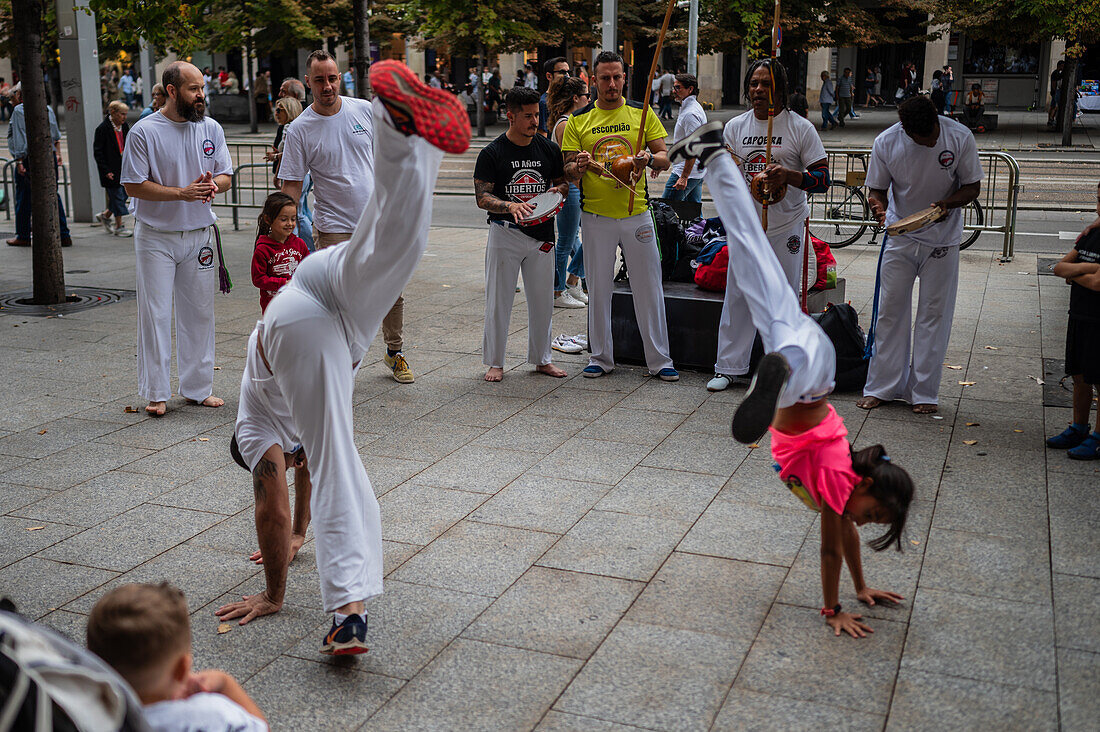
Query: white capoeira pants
(772,304)
(602,236)
(898,371)
(320,324)
(735,335)
(508,252)
(183,265)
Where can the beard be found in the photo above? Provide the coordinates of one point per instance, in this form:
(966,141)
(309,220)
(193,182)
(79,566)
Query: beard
(190,111)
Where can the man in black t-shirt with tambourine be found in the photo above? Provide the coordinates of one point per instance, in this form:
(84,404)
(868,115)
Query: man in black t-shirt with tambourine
(514,176)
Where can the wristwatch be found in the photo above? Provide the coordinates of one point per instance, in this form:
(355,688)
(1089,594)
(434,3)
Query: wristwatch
(830,611)
(649,163)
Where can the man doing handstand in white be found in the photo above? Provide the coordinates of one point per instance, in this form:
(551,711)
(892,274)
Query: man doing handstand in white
(320,325)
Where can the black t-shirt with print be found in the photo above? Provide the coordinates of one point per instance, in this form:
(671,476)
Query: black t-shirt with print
(1084,304)
(518,174)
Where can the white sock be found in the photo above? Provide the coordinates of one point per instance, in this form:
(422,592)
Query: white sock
(340,618)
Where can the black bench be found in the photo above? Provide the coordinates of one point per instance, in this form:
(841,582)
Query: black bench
(693,315)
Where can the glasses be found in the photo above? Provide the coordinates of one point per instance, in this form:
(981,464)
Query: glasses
(561,71)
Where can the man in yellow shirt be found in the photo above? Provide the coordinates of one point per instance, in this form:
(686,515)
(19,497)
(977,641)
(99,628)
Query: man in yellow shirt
(595,136)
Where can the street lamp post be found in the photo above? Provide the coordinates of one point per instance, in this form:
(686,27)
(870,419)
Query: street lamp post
(83,105)
(693,37)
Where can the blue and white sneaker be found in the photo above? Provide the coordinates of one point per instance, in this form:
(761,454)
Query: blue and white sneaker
(1072,436)
(669,374)
(593,372)
(347,638)
(1089,449)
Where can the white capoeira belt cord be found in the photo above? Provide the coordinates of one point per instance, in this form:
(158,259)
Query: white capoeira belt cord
(870,348)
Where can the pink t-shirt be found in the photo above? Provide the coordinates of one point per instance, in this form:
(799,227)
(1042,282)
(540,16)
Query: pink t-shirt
(817,464)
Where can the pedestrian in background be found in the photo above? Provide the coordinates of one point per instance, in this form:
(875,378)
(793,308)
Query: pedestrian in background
(798,103)
(261,91)
(5,99)
(947,81)
(937,95)
(567,95)
(869,88)
(845,88)
(17,146)
(665,92)
(107,147)
(155,103)
(126,86)
(827,98)
(685,180)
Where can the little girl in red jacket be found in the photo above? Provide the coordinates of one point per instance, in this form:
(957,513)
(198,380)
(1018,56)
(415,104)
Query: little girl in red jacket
(278,251)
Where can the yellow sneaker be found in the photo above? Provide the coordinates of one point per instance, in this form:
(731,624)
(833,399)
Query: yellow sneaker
(402,374)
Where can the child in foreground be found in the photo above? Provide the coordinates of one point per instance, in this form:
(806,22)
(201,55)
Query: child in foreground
(1081,269)
(143,631)
(788,395)
(278,251)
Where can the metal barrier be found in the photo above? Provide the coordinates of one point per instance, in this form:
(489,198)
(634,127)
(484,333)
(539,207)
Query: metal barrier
(845,203)
(7,180)
(251,185)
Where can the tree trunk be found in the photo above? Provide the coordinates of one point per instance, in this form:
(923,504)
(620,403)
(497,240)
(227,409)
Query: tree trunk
(480,91)
(249,74)
(361,47)
(48,267)
(1069,100)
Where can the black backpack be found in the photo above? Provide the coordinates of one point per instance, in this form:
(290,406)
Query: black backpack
(670,235)
(841,324)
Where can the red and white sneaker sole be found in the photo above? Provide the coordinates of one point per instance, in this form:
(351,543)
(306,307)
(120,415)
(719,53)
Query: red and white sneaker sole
(344,649)
(436,114)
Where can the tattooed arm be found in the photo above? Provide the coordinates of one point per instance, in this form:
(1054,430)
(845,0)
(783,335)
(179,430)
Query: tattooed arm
(483,192)
(576,163)
(273,532)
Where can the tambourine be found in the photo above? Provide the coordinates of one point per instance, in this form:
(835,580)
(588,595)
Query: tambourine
(915,221)
(546,206)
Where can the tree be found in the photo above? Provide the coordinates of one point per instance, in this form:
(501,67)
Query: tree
(490,26)
(48,265)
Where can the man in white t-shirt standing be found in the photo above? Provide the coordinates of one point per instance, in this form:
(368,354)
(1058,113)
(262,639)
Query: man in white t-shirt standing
(664,90)
(685,180)
(333,141)
(800,163)
(174,163)
(923,160)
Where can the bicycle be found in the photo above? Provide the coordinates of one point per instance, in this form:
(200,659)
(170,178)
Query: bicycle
(847,203)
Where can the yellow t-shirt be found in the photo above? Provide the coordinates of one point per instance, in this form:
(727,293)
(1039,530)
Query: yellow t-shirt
(607,134)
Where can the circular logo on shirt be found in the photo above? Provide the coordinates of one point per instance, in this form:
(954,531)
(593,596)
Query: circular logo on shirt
(525,185)
(794,243)
(206,257)
(611,147)
(754,164)
(208,148)
(946,158)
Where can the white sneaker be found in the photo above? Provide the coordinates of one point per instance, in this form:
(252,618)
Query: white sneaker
(123,231)
(105,219)
(577,293)
(720,382)
(565,344)
(565,300)
(581,339)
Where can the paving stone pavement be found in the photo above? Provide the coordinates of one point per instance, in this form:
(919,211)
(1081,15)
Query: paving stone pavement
(574,554)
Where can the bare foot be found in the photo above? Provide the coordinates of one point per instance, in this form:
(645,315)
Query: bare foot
(869,402)
(210,401)
(494,374)
(156,409)
(925,409)
(551,370)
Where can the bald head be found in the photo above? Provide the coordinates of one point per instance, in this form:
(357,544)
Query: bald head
(184,85)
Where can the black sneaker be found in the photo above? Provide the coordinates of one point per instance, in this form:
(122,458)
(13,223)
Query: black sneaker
(756,412)
(347,638)
(703,144)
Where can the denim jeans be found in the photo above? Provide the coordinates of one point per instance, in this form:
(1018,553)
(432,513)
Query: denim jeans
(23,208)
(569,243)
(693,192)
(304,229)
(827,117)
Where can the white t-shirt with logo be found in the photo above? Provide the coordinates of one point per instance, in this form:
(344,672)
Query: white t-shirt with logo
(692,117)
(917,176)
(202,713)
(338,151)
(174,154)
(795,145)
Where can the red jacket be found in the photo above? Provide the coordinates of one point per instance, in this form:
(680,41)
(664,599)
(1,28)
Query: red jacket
(274,263)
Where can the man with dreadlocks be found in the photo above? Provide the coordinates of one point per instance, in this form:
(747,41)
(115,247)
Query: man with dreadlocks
(798,161)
